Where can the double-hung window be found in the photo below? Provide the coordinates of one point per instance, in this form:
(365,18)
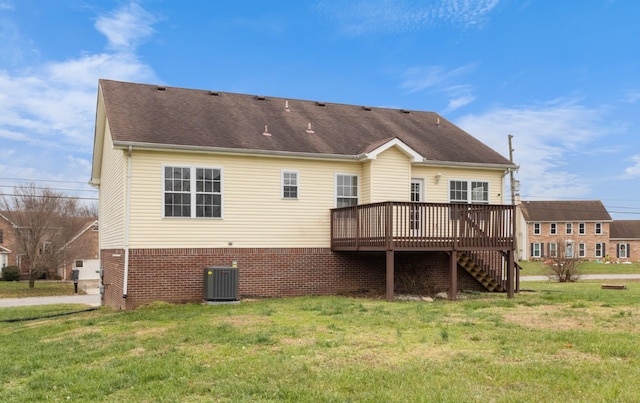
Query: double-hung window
(599,249)
(476,192)
(553,228)
(192,192)
(569,228)
(289,185)
(582,228)
(598,228)
(553,249)
(582,249)
(536,228)
(346,190)
(536,249)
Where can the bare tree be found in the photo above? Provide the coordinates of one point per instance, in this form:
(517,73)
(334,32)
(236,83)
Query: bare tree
(562,263)
(45,221)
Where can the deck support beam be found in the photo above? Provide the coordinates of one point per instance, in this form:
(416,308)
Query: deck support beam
(510,273)
(453,291)
(390,273)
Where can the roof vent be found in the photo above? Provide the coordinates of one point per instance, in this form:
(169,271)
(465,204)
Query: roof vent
(309,130)
(366,108)
(161,88)
(214,93)
(266,131)
(405,111)
(321,104)
(260,97)
(438,122)
(286,106)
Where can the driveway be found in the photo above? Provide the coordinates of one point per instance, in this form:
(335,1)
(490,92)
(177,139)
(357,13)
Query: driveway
(92,298)
(588,277)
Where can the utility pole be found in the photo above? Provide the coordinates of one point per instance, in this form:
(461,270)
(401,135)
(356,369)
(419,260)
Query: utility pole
(515,217)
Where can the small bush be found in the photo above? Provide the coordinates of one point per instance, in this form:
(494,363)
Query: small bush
(10,273)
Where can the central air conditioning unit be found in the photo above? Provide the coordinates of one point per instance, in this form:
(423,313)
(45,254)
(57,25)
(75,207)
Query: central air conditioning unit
(221,284)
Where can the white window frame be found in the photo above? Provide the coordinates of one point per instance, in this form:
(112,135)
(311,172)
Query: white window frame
(569,248)
(537,228)
(286,182)
(582,249)
(599,250)
(568,228)
(470,191)
(338,194)
(582,228)
(553,228)
(622,247)
(598,228)
(193,191)
(553,249)
(536,250)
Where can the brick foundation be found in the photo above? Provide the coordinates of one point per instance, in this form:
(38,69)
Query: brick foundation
(176,275)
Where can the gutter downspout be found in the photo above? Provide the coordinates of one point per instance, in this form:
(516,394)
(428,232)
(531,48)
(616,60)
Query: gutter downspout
(126,226)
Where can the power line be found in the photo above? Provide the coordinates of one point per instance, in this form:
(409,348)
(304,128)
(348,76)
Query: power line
(59,189)
(43,180)
(54,197)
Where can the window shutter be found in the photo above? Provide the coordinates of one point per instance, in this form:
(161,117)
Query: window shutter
(628,250)
(531,252)
(541,249)
(617,250)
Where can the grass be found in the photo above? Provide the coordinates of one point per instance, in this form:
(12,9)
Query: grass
(538,269)
(20,289)
(559,342)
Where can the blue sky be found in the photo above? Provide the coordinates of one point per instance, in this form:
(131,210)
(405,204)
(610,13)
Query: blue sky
(560,76)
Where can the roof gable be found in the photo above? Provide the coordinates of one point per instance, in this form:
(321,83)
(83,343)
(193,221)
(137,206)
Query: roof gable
(177,118)
(570,211)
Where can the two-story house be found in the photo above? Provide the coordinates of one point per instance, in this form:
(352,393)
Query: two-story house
(624,240)
(302,197)
(574,229)
(7,243)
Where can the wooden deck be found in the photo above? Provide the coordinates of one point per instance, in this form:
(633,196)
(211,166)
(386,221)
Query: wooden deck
(422,227)
(477,237)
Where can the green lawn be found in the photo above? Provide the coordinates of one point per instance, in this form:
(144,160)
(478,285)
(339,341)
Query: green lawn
(537,268)
(572,342)
(20,289)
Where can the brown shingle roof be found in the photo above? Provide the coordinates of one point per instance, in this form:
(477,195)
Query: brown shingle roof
(572,210)
(625,229)
(169,116)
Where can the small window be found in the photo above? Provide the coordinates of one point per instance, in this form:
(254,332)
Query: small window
(289,185)
(623,250)
(536,228)
(598,228)
(553,249)
(536,249)
(569,228)
(582,250)
(79,263)
(553,228)
(582,228)
(346,190)
(599,250)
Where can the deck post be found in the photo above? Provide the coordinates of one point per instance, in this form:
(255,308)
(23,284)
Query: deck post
(389,284)
(510,273)
(453,291)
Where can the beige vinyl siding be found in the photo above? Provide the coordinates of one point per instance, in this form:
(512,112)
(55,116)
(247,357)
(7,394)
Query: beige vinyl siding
(112,195)
(254,212)
(390,176)
(439,192)
(365,184)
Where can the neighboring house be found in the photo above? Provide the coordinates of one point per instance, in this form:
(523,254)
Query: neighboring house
(83,254)
(575,229)
(624,242)
(7,243)
(304,198)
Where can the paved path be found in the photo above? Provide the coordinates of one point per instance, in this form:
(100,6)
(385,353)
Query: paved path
(91,298)
(588,277)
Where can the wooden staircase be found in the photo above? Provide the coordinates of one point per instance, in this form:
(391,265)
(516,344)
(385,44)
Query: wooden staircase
(480,273)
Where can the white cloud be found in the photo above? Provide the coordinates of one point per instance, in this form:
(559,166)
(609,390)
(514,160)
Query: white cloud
(49,109)
(437,79)
(127,27)
(545,136)
(633,171)
(358,17)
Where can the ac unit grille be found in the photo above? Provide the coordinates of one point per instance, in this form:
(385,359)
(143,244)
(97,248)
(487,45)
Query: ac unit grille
(221,283)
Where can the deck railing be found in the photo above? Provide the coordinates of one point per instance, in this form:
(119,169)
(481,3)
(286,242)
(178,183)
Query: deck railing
(424,226)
